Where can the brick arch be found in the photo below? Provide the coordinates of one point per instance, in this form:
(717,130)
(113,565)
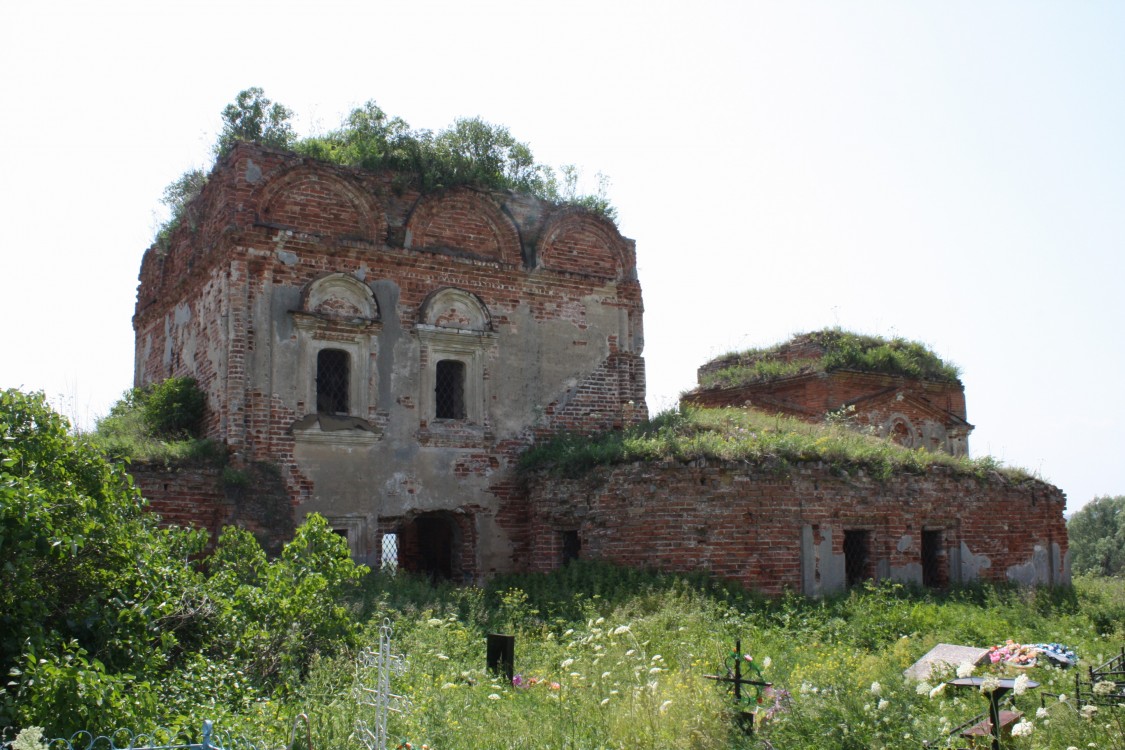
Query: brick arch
(339,295)
(309,201)
(455,308)
(577,241)
(463,219)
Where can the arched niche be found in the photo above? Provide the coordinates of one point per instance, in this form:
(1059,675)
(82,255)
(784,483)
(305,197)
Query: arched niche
(455,308)
(901,430)
(577,241)
(339,295)
(464,220)
(313,202)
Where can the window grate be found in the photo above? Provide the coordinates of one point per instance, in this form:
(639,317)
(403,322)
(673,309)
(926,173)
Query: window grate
(388,559)
(332,366)
(449,389)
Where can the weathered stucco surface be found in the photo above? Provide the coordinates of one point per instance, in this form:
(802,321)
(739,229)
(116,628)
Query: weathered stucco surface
(286,257)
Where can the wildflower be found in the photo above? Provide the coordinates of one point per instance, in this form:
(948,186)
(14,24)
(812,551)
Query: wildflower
(965,669)
(443,657)
(766,663)
(566,663)
(1020,685)
(1104,689)
(517,681)
(1088,712)
(937,690)
(883,703)
(576,675)
(922,688)
(1023,728)
(655,670)
(657,657)
(664,706)
(630,652)
(621,630)
(599,621)
(448,686)
(990,683)
(1062,698)
(493,697)
(605,675)
(434,622)
(876,688)
(1040,713)
(555,686)
(604,701)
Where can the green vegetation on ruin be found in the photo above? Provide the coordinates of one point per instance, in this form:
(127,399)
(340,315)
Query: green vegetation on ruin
(108,621)
(770,442)
(843,350)
(471,151)
(157,424)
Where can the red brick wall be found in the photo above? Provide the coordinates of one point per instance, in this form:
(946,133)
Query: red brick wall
(199,496)
(745,525)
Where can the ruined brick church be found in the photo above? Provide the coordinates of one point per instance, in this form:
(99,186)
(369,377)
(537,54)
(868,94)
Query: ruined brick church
(382,357)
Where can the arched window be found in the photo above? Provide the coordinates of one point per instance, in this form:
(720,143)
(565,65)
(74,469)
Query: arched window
(332,368)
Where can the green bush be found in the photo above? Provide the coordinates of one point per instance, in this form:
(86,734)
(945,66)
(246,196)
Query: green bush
(174,408)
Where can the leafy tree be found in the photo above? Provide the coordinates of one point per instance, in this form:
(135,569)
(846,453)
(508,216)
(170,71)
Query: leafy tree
(1097,537)
(174,408)
(253,117)
(86,583)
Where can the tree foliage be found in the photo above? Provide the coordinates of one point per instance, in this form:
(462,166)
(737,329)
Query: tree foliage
(471,151)
(1097,537)
(108,620)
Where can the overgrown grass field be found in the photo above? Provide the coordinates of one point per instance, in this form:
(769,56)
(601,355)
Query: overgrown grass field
(608,658)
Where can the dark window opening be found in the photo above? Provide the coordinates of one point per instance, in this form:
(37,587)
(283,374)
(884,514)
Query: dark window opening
(857,556)
(332,367)
(933,560)
(571,546)
(449,389)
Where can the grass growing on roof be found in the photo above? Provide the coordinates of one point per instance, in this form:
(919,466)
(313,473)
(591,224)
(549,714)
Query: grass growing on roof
(771,442)
(842,350)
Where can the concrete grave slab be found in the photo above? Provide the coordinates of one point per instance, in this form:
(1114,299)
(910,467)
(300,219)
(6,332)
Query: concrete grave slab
(944,654)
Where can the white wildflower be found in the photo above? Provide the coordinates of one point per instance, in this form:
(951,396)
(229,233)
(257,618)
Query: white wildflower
(876,688)
(493,697)
(937,690)
(1088,712)
(599,621)
(434,622)
(923,688)
(29,738)
(1104,689)
(657,657)
(630,652)
(576,675)
(1020,685)
(664,706)
(1041,713)
(883,703)
(990,684)
(655,670)
(448,686)
(965,669)
(766,663)
(443,657)
(605,701)
(1062,698)
(605,675)
(621,630)
(566,663)
(1023,728)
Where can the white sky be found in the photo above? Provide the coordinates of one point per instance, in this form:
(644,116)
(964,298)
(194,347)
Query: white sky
(952,172)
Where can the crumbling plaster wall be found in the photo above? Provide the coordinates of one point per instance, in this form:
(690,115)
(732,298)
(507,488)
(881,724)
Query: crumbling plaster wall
(775,532)
(560,347)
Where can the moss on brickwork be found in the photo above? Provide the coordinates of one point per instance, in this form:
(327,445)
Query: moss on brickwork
(828,350)
(770,442)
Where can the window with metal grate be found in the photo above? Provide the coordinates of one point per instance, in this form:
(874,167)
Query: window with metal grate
(449,389)
(332,366)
